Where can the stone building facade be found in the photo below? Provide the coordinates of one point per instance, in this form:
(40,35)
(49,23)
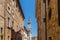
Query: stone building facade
(11,20)
(40,15)
(2,19)
(25,33)
(52,19)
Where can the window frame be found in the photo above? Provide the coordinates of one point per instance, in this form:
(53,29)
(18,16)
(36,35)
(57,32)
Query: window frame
(9,8)
(8,22)
(12,24)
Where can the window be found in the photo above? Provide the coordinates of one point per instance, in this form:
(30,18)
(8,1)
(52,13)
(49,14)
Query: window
(12,24)
(9,9)
(1,34)
(44,19)
(1,30)
(59,12)
(13,0)
(50,12)
(44,1)
(8,38)
(17,27)
(12,13)
(16,5)
(11,38)
(8,22)
(48,2)
(50,38)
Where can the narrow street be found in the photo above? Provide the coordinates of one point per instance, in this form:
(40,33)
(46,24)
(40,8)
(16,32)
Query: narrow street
(29,19)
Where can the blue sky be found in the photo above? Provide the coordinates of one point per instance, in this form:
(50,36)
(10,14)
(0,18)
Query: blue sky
(28,7)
